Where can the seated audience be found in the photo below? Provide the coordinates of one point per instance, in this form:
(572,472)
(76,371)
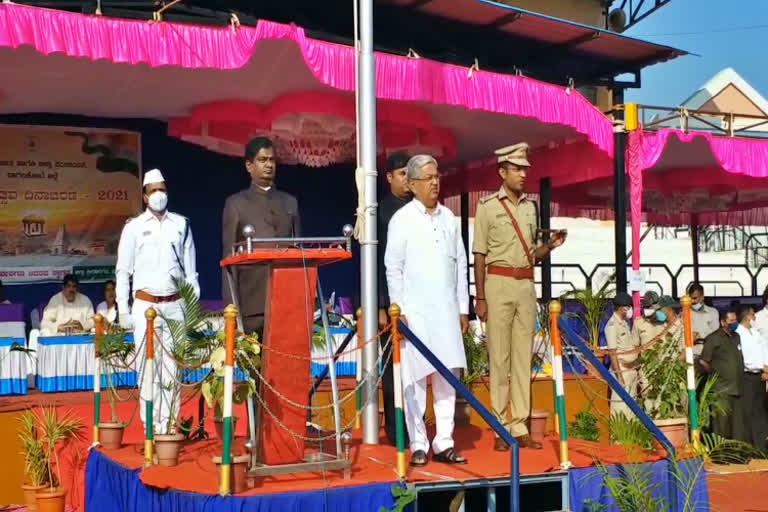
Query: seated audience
(108,307)
(69,311)
(721,355)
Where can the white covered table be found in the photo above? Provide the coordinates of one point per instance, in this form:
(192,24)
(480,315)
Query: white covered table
(65,363)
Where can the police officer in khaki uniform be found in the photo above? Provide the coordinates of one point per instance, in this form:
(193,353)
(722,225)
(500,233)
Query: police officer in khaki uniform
(619,339)
(506,250)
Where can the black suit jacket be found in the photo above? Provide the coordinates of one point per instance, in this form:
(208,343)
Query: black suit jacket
(273,214)
(387,208)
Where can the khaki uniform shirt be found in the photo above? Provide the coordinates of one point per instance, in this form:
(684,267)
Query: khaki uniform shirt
(643,330)
(619,338)
(495,236)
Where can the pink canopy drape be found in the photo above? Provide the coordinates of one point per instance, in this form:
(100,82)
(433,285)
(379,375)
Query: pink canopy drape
(747,157)
(397,78)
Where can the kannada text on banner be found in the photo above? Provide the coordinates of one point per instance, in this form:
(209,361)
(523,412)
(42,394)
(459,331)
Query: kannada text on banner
(65,194)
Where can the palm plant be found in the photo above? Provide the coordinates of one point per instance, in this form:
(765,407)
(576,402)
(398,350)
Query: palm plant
(593,306)
(33,449)
(711,401)
(247,357)
(113,350)
(192,342)
(53,430)
(665,372)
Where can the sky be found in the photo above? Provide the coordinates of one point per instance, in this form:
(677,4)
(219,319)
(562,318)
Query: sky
(722,33)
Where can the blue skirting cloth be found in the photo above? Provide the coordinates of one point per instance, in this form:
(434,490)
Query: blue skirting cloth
(111,486)
(589,493)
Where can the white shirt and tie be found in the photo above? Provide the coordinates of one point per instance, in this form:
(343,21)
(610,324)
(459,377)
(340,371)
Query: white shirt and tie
(426,269)
(155,252)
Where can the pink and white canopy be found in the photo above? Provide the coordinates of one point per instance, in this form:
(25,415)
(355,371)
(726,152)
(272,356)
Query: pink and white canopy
(61,62)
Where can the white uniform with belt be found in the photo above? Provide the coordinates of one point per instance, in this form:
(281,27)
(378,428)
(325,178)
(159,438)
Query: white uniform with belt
(155,251)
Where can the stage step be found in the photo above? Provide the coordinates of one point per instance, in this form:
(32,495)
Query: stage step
(546,492)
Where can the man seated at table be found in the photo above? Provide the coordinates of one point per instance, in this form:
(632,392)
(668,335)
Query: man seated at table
(69,311)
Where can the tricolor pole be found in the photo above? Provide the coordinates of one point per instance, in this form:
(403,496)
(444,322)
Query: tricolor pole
(97,322)
(557,366)
(394,315)
(693,407)
(230,314)
(359,368)
(149,376)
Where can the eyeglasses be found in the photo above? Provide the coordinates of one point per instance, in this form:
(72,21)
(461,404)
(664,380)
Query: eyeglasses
(435,178)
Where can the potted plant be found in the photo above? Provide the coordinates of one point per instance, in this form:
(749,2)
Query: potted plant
(42,433)
(35,458)
(113,352)
(665,394)
(247,357)
(477,366)
(191,342)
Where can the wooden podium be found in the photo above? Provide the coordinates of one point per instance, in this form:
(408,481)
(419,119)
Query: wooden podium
(288,329)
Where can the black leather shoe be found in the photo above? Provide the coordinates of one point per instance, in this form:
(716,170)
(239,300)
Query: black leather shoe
(419,459)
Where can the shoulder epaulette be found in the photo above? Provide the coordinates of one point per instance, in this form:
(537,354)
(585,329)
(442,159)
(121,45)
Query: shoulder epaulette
(485,199)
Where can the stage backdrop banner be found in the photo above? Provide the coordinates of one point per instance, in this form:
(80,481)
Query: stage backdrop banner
(65,194)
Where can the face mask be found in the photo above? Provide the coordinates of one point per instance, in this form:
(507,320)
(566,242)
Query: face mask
(733,327)
(629,313)
(648,312)
(697,307)
(661,317)
(158,200)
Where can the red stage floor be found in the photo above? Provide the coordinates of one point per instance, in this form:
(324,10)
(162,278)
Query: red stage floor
(197,473)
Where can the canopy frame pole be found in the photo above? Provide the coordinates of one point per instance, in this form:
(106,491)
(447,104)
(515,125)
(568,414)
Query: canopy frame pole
(695,245)
(368,261)
(545,200)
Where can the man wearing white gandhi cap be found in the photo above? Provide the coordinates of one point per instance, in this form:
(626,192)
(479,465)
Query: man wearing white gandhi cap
(157,250)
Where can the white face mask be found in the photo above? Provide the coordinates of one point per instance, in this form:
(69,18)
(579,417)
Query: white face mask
(629,313)
(649,312)
(158,201)
(697,307)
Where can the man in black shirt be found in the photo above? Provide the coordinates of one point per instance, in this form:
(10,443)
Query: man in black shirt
(722,355)
(399,196)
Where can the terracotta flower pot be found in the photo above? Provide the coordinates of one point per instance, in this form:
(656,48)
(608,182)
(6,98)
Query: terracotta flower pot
(111,435)
(29,495)
(462,416)
(218,424)
(538,424)
(676,430)
(48,501)
(238,470)
(167,448)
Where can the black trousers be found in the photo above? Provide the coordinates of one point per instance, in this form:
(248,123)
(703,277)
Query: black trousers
(755,407)
(388,392)
(254,323)
(731,424)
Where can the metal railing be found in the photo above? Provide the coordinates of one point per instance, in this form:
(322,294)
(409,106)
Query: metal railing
(720,123)
(496,426)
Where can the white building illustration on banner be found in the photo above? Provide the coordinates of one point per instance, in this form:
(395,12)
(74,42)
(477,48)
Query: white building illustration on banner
(34,225)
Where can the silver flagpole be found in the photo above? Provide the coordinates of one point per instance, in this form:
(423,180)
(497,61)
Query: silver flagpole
(369,295)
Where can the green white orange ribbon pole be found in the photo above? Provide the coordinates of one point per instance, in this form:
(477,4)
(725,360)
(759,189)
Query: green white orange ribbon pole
(394,314)
(97,321)
(230,314)
(557,366)
(693,407)
(359,369)
(149,376)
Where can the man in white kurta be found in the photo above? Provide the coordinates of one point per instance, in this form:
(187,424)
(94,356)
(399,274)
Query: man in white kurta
(157,250)
(426,270)
(67,311)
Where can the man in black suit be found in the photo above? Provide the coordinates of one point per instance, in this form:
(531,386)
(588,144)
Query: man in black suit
(272,213)
(399,196)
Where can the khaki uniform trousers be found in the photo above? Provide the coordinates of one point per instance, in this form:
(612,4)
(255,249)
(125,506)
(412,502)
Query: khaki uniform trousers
(510,326)
(631,381)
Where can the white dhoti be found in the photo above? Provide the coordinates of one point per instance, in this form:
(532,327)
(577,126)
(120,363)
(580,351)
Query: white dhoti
(444,405)
(164,389)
